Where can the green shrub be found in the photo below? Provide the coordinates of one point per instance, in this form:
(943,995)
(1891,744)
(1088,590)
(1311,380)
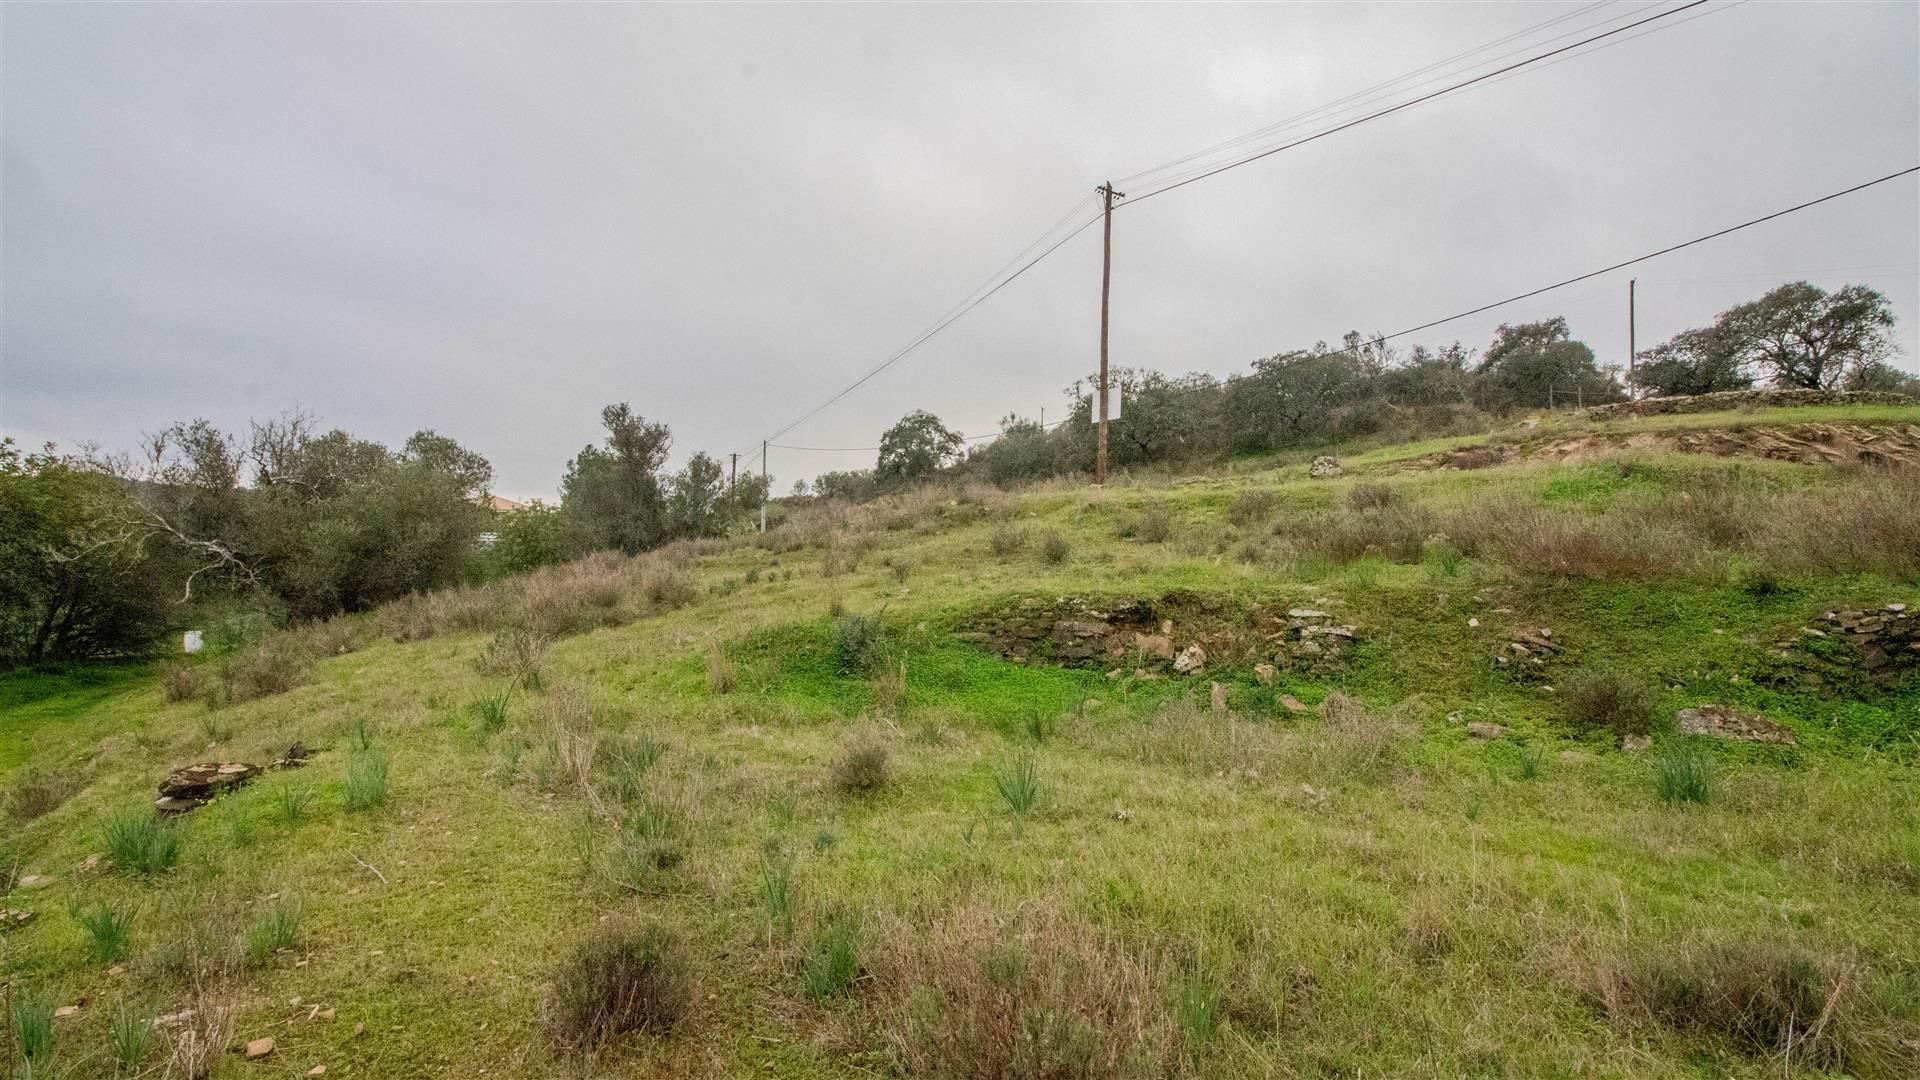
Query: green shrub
(618,981)
(1055,549)
(517,655)
(1442,560)
(832,960)
(367,776)
(275,929)
(39,791)
(1683,772)
(360,734)
(109,930)
(141,844)
(1006,539)
(859,644)
(1369,496)
(1154,525)
(1609,700)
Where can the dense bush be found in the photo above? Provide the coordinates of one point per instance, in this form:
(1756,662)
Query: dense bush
(1610,700)
(619,981)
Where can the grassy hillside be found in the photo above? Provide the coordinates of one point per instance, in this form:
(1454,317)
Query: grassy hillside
(794,797)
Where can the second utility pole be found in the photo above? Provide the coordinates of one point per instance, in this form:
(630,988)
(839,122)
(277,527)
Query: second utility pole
(1106,285)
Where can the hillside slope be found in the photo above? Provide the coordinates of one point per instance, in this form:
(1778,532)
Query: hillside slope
(943,786)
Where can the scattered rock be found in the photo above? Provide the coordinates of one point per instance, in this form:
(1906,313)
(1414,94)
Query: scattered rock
(195,785)
(1472,622)
(1731,723)
(1219,698)
(11,918)
(1850,651)
(65,1011)
(1191,659)
(317,1070)
(96,862)
(1307,614)
(33,881)
(259,1048)
(1325,467)
(173,1019)
(1292,704)
(1265,673)
(1122,815)
(1482,729)
(1159,645)
(325,1014)
(1633,744)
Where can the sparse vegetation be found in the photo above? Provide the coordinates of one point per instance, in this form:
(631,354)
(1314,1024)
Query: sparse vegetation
(1055,549)
(967,835)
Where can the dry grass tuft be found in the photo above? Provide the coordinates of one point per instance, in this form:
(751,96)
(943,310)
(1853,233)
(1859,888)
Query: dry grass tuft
(994,996)
(1764,998)
(721,678)
(863,765)
(1357,742)
(620,980)
(183,681)
(1612,700)
(515,654)
(1251,508)
(273,665)
(37,792)
(1369,496)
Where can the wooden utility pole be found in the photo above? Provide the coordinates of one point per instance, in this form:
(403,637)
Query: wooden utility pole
(733,470)
(766,486)
(1633,353)
(1106,287)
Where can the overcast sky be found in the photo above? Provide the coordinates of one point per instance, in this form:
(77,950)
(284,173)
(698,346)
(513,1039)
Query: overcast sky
(493,220)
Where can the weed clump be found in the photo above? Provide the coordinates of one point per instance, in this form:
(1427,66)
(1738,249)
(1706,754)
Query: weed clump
(183,682)
(517,654)
(273,665)
(1006,539)
(1369,496)
(863,765)
(832,959)
(1250,508)
(367,777)
(130,1032)
(1610,700)
(109,929)
(33,1027)
(491,710)
(38,792)
(721,677)
(1055,549)
(859,643)
(1153,525)
(1018,784)
(276,929)
(140,844)
(1763,997)
(1683,772)
(619,981)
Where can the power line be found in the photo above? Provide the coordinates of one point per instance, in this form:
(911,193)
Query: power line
(984,292)
(1381,338)
(1414,101)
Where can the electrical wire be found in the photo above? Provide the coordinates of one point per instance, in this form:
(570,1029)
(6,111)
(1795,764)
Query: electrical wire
(1390,110)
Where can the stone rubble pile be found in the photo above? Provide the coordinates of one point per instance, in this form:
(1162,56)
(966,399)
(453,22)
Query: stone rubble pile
(1880,646)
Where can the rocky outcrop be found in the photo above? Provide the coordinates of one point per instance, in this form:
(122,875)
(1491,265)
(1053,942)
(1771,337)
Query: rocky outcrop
(1852,649)
(1528,652)
(196,785)
(1178,635)
(1728,722)
(1743,399)
(1325,467)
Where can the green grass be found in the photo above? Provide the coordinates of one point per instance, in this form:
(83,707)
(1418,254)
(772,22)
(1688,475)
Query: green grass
(1458,910)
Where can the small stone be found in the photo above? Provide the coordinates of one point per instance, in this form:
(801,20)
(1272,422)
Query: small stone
(359,1028)
(1455,718)
(259,1048)
(1730,723)
(1633,744)
(317,1070)
(1306,613)
(1190,660)
(12,917)
(1159,645)
(116,970)
(325,1014)
(1575,757)
(1219,698)
(1473,622)
(65,1011)
(1122,816)
(1895,608)
(1292,704)
(1482,729)
(33,881)
(1325,467)
(1265,673)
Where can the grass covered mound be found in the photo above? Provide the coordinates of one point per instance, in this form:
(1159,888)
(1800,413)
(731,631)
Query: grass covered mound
(786,807)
